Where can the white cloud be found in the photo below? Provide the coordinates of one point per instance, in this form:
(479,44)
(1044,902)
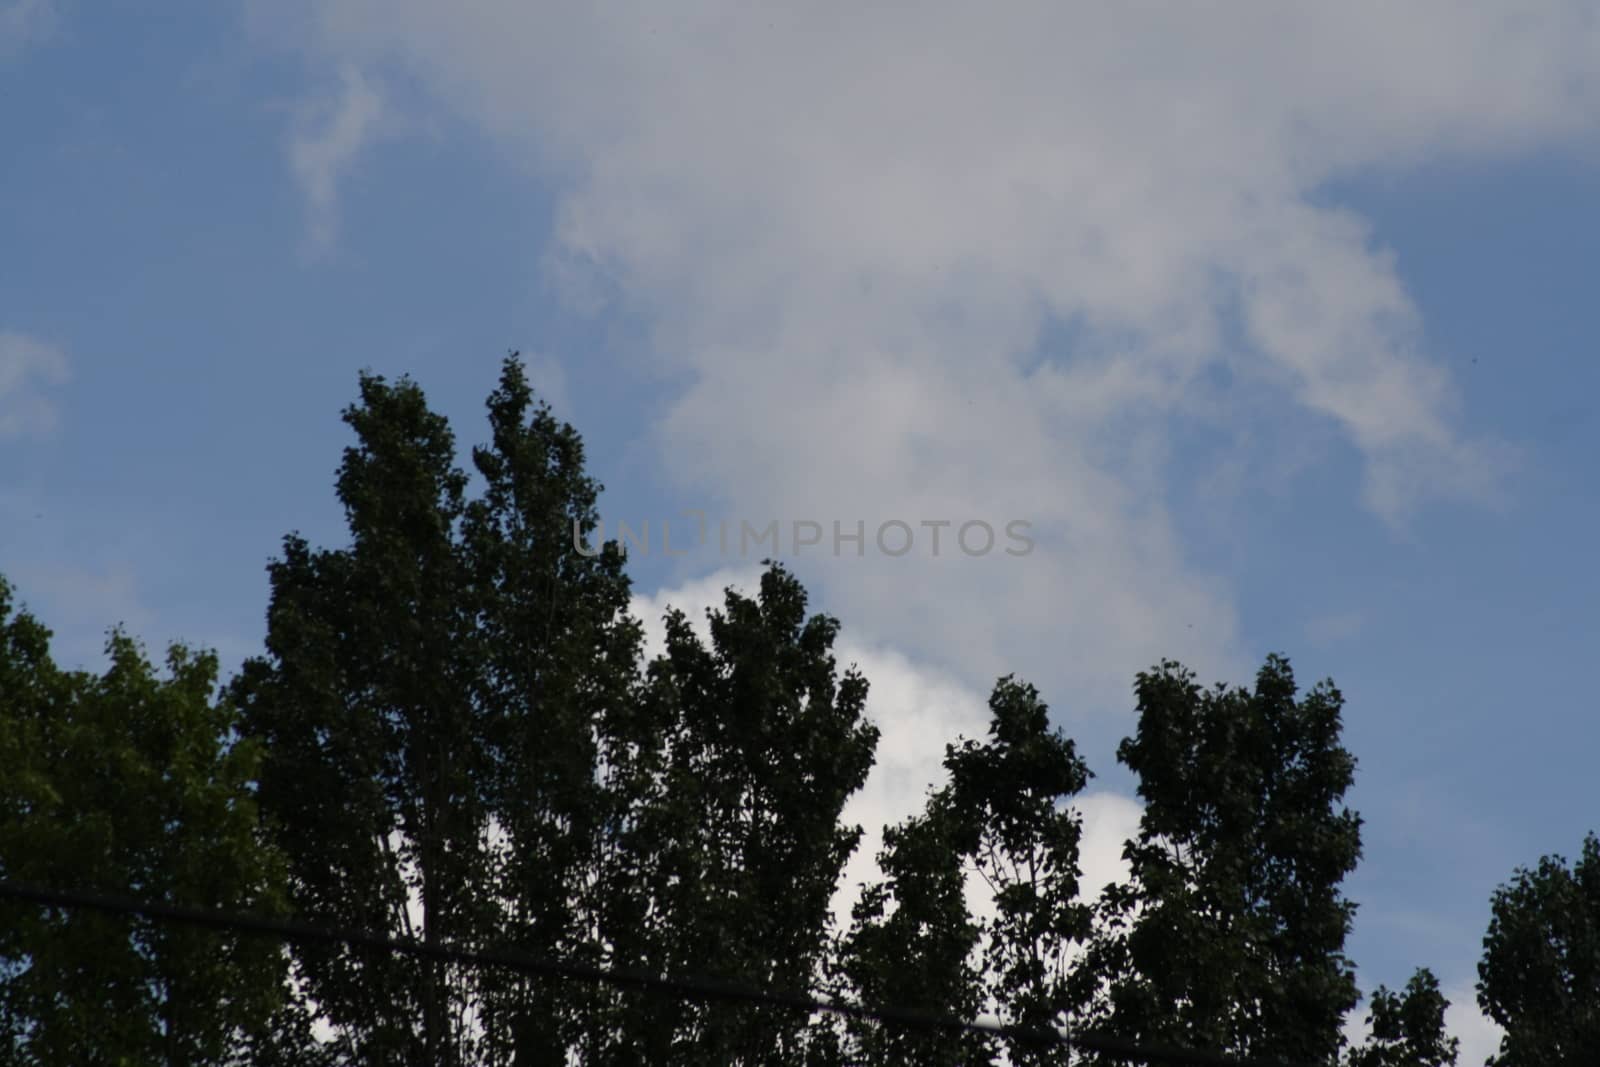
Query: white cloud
(1480,1036)
(27,363)
(23,24)
(332,133)
(852,225)
(918,711)
(1109,821)
(693,599)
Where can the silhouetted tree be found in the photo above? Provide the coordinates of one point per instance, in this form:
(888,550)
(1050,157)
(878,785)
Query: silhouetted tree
(1406,1029)
(130,784)
(1230,934)
(1540,973)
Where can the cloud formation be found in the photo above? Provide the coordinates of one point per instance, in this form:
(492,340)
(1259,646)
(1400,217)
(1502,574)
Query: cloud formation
(1479,1035)
(331,134)
(950,262)
(27,366)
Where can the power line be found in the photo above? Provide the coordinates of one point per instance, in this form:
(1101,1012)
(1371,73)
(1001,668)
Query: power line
(691,988)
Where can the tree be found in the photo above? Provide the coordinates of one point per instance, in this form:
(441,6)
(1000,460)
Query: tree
(460,747)
(557,677)
(1013,792)
(435,707)
(132,785)
(373,777)
(912,944)
(738,841)
(1003,817)
(451,737)
(1540,973)
(1407,1029)
(1230,934)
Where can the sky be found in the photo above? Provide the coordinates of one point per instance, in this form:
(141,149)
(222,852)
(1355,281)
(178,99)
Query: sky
(1272,321)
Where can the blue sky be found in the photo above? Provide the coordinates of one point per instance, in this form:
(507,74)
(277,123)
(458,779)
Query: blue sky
(1276,356)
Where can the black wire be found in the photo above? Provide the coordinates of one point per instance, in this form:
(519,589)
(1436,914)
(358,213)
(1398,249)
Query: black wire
(702,989)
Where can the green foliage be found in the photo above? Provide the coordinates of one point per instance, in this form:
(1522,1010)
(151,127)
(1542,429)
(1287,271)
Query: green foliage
(1012,794)
(452,736)
(1407,1029)
(433,708)
(454,716)
(1002,817)
(374,751)
(1540,973)
(1231,933)
(912,943)
(737,841)
(554,674)
(128,784)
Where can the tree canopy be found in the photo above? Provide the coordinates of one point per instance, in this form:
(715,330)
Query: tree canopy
(1540,974)
(1230,933)
(132,783)
(453,735)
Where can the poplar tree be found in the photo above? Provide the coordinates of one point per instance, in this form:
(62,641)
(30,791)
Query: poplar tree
(1230,933)
(739,842)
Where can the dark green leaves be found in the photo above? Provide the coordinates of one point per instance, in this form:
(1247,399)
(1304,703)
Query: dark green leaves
(1004,819)
(912,943)
(434,708)
(738,838)
(1407,1028)
(132,784)
(1231,935)
(1540,974)
(451,736)
(372,779)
